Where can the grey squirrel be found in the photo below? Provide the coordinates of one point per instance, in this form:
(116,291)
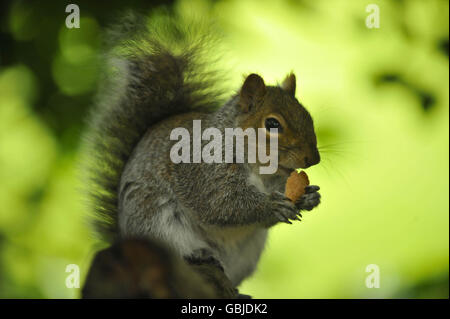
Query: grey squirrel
(213,214)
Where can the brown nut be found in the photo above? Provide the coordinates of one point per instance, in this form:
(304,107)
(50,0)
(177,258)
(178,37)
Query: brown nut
(295,185)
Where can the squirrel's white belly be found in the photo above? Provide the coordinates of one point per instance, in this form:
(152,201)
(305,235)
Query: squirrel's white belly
(238,249)
(171,225)
(239,258)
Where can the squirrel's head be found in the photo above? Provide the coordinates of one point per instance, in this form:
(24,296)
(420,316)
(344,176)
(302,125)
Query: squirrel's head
(276,107)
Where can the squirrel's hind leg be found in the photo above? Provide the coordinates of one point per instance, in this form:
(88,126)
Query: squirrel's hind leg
(212,272)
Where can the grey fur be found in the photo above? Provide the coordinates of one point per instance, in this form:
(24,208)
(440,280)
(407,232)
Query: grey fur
(221,210)
(143,83)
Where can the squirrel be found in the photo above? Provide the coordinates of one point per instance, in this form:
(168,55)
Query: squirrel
(215,214)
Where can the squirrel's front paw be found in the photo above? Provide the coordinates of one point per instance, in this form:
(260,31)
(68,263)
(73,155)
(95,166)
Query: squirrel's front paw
(283,210)
(310,199)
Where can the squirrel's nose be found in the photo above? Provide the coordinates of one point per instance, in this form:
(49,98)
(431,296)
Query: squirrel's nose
(313,159)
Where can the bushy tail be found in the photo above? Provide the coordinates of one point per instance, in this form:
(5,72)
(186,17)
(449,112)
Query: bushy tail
(151,73)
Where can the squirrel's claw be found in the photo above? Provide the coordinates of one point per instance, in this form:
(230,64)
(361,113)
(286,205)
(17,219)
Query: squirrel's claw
(310,199)
(283,209)
(283,218)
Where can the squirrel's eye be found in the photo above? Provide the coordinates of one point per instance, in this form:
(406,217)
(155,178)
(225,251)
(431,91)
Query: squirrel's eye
(272,123)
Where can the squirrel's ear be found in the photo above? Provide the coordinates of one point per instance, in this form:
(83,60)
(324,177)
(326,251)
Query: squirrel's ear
(252,91)
(288,84)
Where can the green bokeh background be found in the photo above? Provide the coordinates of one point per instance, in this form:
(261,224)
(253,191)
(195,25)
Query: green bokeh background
(379,98)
